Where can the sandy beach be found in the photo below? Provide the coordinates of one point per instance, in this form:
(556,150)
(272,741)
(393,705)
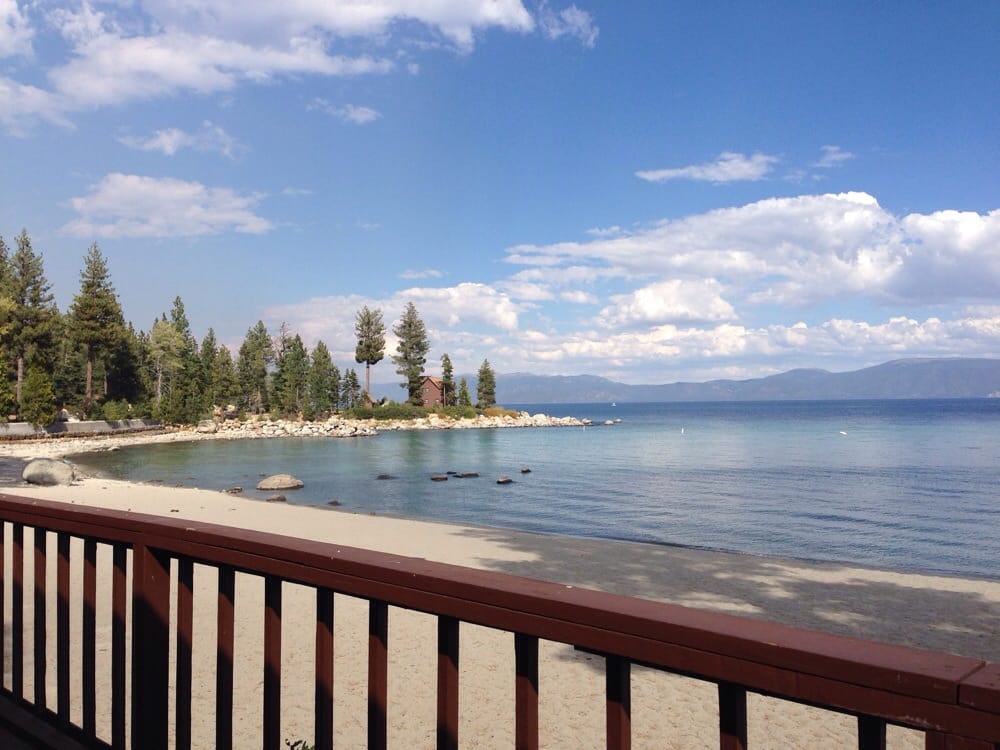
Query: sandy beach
(944,613)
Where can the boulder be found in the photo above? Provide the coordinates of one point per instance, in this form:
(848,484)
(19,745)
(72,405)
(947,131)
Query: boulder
(467,474)
(439,477)
(385,476)
(48,472)
(333,503)
(280,482)
(525,470)
(208,426)
(275,499)
(505,480)
(233,490)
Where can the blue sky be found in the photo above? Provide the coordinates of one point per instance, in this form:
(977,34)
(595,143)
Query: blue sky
(649,191)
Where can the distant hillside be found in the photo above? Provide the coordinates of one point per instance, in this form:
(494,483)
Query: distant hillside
(901,378)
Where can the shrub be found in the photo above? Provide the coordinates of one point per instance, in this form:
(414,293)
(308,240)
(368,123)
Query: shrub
(499,411)
(37,400)
(115,410)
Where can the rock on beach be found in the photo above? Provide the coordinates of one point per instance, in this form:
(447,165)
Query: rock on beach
(280,482)
(48,472)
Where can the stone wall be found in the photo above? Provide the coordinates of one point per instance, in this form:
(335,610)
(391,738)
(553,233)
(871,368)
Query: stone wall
(96,427)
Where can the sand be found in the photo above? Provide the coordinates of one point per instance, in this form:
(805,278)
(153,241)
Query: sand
(939,612)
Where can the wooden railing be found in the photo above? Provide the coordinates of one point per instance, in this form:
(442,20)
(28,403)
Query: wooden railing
(954,699)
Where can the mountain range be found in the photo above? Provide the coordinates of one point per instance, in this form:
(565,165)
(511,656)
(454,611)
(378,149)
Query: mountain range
(901,378)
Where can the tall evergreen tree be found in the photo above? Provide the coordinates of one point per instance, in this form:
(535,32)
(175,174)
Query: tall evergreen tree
(33,322)
(323,390)
(166,349)
(464,399)
(411,351)
(293,373)
(350,391)
(370,330)
(448,381)
(184,397)
(224,376)
(486,386)
(95,317)
(255,356)
(207,372)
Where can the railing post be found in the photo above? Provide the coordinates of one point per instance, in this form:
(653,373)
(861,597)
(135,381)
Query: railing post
(618,699)
(378,651)
(150,647)
(526,692)
(447,683)
(732,716)
(871,733)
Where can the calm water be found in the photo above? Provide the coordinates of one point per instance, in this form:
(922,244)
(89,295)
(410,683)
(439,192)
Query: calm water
(901,484)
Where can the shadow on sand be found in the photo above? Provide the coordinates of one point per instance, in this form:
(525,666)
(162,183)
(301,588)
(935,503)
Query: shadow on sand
(942,613)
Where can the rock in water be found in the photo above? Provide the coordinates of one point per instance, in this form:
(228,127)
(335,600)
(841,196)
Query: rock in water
(505,480)
(48,472)
(525,470)
(280,482)
(439,477)
(275,499)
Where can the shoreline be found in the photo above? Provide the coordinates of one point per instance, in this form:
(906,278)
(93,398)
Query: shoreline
(263,429)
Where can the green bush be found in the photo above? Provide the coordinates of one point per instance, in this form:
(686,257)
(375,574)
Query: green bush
(115,410)
(499,411)
(37,400)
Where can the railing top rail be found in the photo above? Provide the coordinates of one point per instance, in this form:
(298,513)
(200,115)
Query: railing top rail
(701,642)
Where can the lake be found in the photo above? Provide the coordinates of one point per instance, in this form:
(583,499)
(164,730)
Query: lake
(912,485)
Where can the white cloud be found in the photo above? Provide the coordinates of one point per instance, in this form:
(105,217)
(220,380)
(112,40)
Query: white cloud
(15,30)
(346,113)
(211,138)
(570,21)
(579,297)
(798,250)
(729,167)
(123,205)
(669,301)
(833,156)
(456,21)
(21,104)
(427,273)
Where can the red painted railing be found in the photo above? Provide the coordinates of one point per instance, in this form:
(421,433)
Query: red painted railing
(954,699)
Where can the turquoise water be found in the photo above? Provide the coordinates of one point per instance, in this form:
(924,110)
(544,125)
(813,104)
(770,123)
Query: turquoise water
(902,484)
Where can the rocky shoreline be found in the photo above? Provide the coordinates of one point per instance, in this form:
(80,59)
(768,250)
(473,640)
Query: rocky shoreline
(258,428)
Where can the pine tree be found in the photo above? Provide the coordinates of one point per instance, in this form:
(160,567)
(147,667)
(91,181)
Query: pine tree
(350,392)
(31,335)
(412,351)
(293,373)
(166,348)
(370,330)
(463,393)
(224,376)
(256,354)
(447,380)
(486,386)
(207,372)
(322,396)
(184,397)
(95,317)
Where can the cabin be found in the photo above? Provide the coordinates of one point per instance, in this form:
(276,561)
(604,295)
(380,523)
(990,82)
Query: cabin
(431,391)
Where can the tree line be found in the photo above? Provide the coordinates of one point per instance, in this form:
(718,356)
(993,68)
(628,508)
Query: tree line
(90,361)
